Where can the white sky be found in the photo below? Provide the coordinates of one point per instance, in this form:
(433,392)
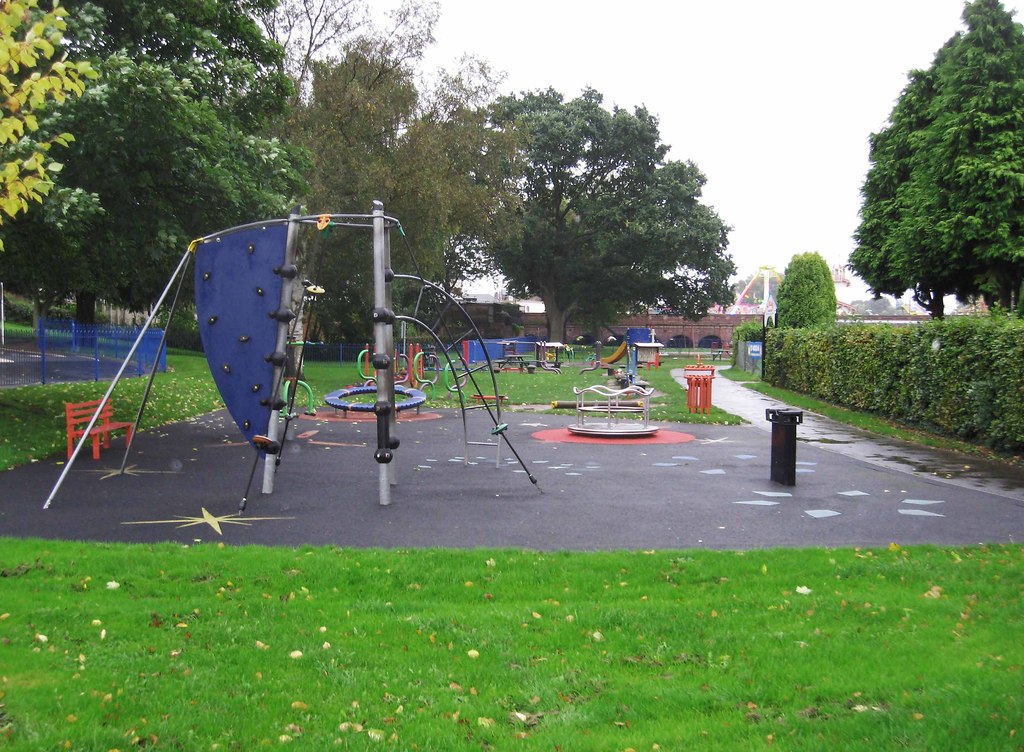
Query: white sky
(773,99)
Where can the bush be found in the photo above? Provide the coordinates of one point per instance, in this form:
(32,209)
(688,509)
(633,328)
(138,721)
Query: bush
(17,309)
(748,331)
(961,376)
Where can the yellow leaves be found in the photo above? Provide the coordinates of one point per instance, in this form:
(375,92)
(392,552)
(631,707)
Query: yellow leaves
(472,653)
(933,592)
(485,722)
(295,655)
(299,705)
(26,85)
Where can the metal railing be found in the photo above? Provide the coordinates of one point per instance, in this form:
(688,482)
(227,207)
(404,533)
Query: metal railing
(65,351)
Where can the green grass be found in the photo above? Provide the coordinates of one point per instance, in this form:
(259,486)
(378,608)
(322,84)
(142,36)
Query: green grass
(121,647)
(866,421)
(33,416)
(541,388)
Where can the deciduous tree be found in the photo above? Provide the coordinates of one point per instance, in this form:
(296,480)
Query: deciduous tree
(607,223)
(170,145)
(376,130)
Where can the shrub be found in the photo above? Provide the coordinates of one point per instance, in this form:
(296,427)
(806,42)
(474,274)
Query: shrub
(961,376)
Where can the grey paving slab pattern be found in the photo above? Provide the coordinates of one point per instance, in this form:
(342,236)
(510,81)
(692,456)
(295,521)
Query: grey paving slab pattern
(711,489)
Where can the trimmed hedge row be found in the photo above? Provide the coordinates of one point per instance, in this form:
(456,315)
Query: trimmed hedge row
(962,377)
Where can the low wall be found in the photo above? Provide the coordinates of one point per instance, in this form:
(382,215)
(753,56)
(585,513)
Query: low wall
(718,326)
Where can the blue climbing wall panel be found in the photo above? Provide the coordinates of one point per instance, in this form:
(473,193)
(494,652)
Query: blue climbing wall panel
(237,294)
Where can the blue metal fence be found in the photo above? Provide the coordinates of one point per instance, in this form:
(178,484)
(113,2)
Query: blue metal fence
(65,351)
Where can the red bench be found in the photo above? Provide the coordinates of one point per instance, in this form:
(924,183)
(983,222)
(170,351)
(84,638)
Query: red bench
(78,415)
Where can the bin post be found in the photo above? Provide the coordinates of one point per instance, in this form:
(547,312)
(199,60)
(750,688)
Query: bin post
(698,388)
(784,422)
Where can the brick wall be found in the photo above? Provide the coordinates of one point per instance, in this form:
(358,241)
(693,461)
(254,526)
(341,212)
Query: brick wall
(720,325)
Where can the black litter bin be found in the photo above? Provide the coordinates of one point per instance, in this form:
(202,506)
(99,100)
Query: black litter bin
(784,422)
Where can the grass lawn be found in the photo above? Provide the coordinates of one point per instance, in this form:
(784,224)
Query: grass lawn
(106,647)
(209,647)
(33,416)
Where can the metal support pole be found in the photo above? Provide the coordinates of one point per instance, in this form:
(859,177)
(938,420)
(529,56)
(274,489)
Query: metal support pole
(383,355)
(113,384)
(152,372)
(269,465)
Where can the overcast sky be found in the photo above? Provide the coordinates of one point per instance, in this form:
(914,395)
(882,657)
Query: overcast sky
(774,101)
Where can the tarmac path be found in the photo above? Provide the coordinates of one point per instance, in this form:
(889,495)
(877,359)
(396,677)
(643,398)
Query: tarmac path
(693,486)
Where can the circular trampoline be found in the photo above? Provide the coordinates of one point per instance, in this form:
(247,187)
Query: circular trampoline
(340,398)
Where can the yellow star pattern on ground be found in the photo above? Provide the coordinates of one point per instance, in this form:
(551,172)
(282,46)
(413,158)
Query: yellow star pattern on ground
(208,518)
(109,472)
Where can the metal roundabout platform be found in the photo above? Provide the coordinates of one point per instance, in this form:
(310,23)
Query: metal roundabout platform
(614,428)
(603,411)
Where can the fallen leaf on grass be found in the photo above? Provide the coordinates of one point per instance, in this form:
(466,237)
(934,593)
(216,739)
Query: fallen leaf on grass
(803,590)
(527,719)
(933,592)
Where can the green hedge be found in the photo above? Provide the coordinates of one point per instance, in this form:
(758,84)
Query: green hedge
(962,377)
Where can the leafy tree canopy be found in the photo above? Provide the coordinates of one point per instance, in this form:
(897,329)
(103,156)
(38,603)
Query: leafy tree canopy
(169,147)
(606,223)
(377,131)
(941,201)
(807,295)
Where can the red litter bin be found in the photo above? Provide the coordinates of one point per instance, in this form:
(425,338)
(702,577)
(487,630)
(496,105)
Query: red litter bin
(698,388)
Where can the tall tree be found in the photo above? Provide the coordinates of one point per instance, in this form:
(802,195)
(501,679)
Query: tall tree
(980,148)
(807,295)
(311,30)
(170,146)
(376,130)
(606,222)
(941,201)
